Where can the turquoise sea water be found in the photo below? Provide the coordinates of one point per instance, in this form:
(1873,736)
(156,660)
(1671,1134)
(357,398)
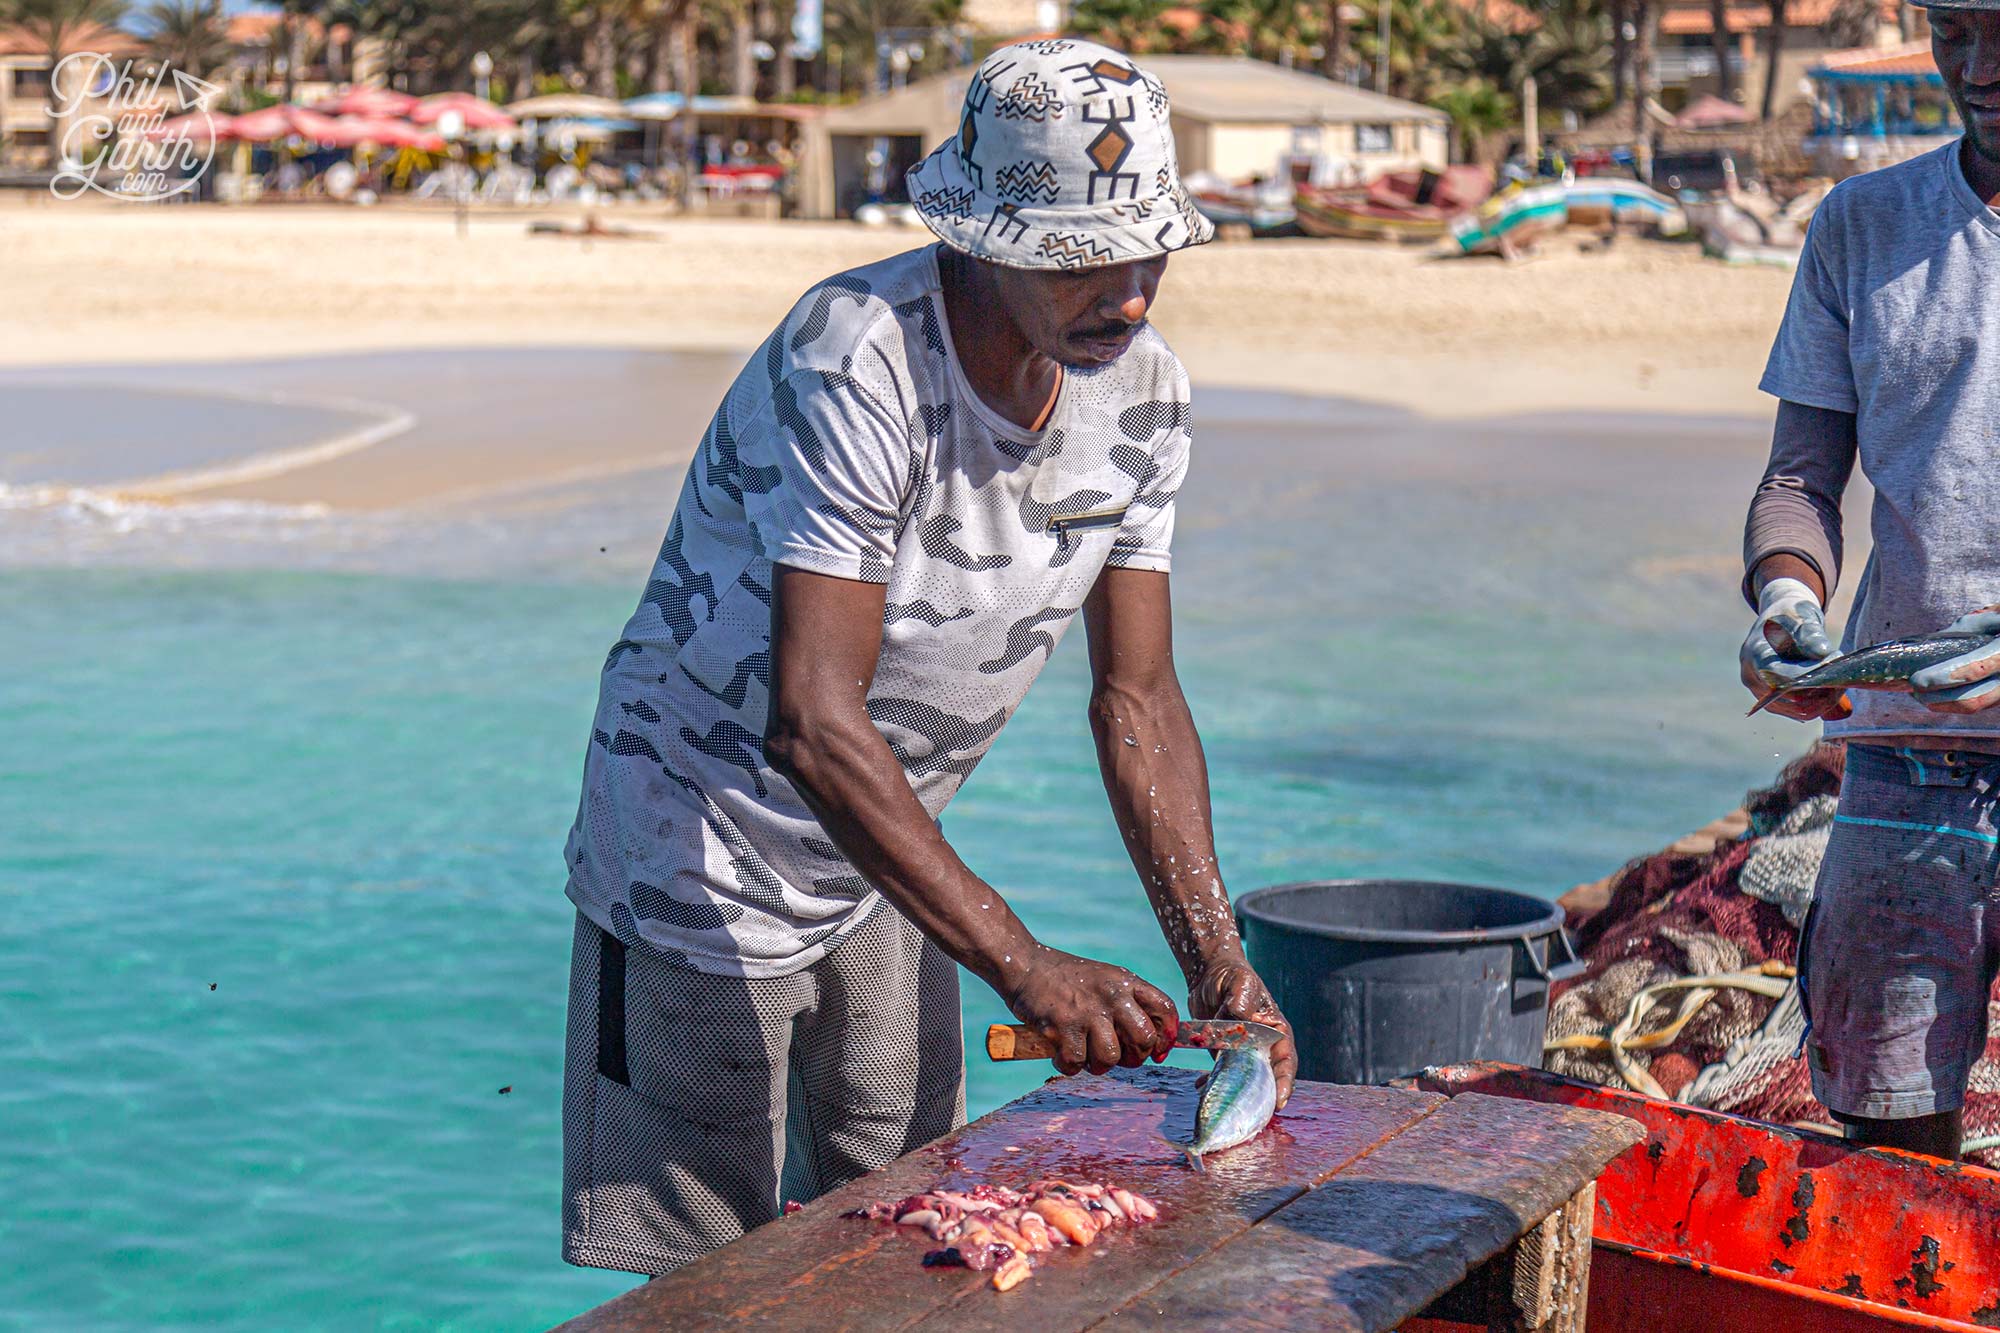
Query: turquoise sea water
(280,879)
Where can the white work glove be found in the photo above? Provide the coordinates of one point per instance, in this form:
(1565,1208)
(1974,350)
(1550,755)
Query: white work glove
(1790,607)
(1967,683)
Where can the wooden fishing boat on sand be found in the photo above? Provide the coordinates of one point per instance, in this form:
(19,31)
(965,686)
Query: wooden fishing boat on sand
(1262,206)
(1720,1224)
(1413,207)
(1510,221)
(1605,201)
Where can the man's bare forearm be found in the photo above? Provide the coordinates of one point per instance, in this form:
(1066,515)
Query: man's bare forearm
(1157,779)
(839,763)
(826,640)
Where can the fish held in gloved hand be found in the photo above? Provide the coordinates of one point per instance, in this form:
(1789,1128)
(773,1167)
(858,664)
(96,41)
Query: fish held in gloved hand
(1882,666)
(1241,1096)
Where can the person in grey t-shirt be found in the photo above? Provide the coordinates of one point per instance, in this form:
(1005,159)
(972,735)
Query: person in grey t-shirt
(1889,354)
(932,468)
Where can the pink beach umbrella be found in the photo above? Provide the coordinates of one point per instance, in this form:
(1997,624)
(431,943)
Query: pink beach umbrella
(365,101)
(383,132)
(215,127)
(476,112)
(1710,112)
(281,122)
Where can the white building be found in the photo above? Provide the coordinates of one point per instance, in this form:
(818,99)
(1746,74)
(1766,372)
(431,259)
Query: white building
(1233,116)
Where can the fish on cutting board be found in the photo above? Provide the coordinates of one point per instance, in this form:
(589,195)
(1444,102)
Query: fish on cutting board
(1236,1105)
(1241,1093)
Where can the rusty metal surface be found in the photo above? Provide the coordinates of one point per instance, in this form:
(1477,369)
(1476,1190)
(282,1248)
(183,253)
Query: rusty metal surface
(1385,1237)
(1637,1291)
(817,1270)
(1908,1241)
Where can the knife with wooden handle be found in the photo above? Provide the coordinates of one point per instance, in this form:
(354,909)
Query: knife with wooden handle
(1017,1041)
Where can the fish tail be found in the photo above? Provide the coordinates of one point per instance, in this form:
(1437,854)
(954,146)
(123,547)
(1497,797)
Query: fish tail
(1194,1162)
(1766,701)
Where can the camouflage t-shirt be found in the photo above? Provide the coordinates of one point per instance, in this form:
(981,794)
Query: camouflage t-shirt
(851,445)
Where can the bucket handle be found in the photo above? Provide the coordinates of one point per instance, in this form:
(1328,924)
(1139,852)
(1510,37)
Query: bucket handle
(1546,967)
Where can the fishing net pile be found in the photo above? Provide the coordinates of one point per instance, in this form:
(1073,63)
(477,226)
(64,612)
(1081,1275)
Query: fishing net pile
(1691,953)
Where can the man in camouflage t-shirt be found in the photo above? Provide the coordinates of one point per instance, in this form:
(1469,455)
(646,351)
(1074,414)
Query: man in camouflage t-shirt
(916,484)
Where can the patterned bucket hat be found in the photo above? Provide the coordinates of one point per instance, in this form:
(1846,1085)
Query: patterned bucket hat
(1063,160)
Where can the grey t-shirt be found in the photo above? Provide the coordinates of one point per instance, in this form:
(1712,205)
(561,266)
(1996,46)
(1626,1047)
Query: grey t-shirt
(852,446)
(1895,317)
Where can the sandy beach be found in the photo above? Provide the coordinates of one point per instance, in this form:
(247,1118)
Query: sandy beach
(1639,326)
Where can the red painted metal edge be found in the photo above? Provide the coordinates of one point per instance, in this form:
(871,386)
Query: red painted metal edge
(1721,1198)
(1638,1291)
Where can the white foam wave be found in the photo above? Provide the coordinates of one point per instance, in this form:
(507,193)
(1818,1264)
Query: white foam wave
(389,422)
(122,513)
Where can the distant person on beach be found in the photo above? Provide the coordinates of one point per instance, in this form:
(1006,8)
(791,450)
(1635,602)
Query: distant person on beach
(1890,353)
(918,482)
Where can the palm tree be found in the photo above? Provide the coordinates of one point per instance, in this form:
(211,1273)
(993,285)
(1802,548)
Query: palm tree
(1477,108)
(189,35)
(1265,29)
(1777,50)
(1620,14)
(855,25)
(55,24)
(1421,34)
(742,50)
(1333,38)
(1725,74)
(295,18)
(598,22)
(1564,51)
(1645,23)
(1128,25)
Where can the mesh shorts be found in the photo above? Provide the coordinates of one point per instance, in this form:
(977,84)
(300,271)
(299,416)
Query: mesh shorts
(1900,948)
(695,1105)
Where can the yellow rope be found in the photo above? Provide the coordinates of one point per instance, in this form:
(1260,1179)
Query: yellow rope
(1771,979)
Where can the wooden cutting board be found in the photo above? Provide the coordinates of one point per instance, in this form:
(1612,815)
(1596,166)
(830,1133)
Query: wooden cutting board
(816,1269)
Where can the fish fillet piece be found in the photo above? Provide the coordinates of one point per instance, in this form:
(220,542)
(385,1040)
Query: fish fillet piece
(992,1228)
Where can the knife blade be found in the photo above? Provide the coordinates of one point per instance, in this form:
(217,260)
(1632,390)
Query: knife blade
(1017,1041)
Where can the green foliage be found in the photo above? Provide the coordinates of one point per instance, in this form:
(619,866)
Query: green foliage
(188,35)
(852,27)
(56,23)
(442,37)
(1477,108)
(1135,26)
(1449,53)
(1567,52)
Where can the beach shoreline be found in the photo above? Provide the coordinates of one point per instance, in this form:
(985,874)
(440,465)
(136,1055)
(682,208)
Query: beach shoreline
(1637,326)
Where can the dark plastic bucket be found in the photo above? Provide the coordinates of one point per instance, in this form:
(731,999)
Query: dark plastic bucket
(1382,977)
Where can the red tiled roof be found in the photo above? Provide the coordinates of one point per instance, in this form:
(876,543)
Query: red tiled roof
(257,28)
(1909,58)
(19,41)
(1503,14)
(1691,19)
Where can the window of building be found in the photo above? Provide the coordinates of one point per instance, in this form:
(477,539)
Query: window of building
(31,83)
(1374,138)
